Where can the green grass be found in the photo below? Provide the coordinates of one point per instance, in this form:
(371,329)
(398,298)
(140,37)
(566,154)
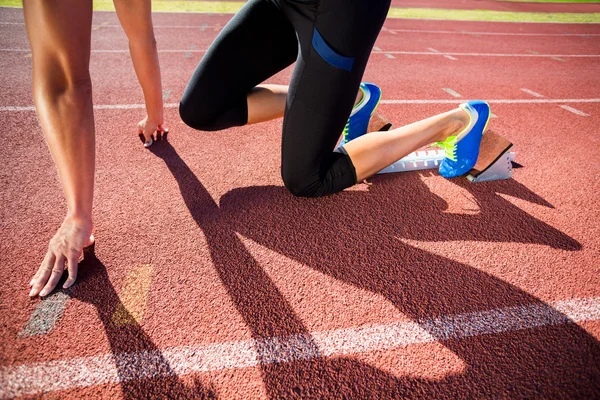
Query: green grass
(487,15)
(226,7)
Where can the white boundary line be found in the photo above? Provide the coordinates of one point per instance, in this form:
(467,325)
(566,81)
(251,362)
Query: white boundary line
(385,29)
(390,101)
(498,101)
(29,379)
(418,53)
(446,32)
(440,53)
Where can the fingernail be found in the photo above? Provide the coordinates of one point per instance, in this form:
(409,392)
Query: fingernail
(68,284)
(148,143)
(32,292)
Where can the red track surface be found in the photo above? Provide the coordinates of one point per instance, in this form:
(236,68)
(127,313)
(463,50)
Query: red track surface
(236,258)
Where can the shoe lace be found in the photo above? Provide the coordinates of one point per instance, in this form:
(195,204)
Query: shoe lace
(449,147)
(346,130)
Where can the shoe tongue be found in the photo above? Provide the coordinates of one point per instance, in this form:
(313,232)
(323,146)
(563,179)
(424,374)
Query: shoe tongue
(363,102)
(471,110)
(473,120)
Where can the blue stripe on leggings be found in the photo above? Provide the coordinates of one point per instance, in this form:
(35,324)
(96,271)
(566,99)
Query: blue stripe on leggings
(330,55)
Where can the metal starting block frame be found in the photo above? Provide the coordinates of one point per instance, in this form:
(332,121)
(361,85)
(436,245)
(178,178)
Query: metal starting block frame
(431,159)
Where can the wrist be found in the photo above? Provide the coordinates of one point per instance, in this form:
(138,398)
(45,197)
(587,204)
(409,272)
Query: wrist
(80,216)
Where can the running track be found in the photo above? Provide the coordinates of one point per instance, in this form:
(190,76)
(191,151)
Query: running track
(212,281)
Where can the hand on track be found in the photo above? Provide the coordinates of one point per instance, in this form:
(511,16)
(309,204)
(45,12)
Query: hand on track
(64,251)
(147,128)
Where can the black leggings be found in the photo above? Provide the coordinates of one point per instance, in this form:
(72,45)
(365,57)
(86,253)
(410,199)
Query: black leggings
(330,40)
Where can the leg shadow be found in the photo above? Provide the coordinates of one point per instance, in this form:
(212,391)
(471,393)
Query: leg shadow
(356,237)
(144,373)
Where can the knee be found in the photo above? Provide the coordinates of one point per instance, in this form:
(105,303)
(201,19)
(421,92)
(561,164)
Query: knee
(195,116)
(300,186)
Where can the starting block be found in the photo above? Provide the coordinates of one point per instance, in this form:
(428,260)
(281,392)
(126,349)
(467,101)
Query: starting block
(494,162)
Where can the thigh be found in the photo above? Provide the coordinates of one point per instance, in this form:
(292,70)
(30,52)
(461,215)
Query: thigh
(335,47)
(257,43)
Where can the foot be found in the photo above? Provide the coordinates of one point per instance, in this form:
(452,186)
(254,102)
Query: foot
(462,149)
(361,113)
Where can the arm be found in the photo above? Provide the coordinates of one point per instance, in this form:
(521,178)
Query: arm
(136,19)
(59,34)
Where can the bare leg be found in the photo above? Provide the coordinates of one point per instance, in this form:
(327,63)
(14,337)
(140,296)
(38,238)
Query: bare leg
(59,32)
(267,102)
(372,152)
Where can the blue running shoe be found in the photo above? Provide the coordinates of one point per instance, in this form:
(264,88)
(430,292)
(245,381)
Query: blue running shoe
(462,150)
(361,113)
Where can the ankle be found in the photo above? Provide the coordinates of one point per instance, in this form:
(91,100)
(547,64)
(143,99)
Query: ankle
(457,120)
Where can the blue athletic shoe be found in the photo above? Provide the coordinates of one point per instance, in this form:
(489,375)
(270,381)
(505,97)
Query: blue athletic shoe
(462,150)
(361,113)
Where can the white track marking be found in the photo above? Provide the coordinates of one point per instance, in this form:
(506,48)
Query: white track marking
(451,92)
(203,27)
(531,92)
(498,101)
(450,57)
(389,101)
(433,52)
(441,32)
(29,379)
(575,111)
(438,53)
(389,56)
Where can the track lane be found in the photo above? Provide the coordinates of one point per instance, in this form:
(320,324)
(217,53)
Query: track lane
(195,300)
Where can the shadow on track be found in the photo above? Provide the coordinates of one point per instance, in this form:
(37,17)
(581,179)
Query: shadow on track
(355,237)
(143,371)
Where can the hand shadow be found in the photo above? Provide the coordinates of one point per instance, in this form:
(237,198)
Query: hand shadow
(356,237)
(144,373)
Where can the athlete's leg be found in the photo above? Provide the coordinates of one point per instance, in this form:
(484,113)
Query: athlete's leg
(372,152)
(334,53)
(59,32)
(336,38)
(257,43)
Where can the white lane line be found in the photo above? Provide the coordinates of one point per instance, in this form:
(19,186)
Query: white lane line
(531,92)
(388,55)
(498,101)
(451,92)
(433,52)
(29,379)
(558,59)
(23,50)
(575,111)
(438,53)
(488,33)
(389,101)
(205,26)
